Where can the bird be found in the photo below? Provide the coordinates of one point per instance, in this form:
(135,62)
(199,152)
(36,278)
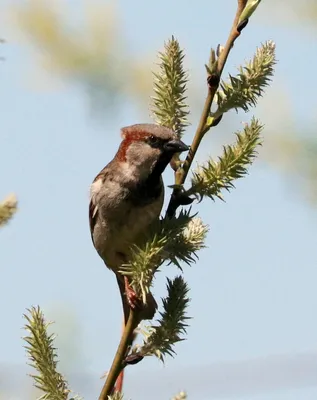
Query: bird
(126,197)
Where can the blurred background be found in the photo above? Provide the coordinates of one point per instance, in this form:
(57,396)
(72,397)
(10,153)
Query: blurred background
(73,73)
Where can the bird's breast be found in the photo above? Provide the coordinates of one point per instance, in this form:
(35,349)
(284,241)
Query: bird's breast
(122,223)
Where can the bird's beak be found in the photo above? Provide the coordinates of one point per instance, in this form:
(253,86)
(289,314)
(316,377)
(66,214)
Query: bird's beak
(175,146)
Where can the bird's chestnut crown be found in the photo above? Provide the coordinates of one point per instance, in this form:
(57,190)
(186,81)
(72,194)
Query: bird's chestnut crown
(159,138)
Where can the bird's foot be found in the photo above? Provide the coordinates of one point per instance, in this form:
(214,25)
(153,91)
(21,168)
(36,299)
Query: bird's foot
(133,300)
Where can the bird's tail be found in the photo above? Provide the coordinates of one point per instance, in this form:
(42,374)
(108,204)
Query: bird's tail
(125,304)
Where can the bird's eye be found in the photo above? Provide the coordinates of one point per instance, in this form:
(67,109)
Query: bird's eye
(152,139)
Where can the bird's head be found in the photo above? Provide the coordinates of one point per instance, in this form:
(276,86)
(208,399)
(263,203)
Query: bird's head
(148,147)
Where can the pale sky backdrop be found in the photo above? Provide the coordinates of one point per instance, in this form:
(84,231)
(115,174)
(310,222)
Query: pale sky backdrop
(254,298)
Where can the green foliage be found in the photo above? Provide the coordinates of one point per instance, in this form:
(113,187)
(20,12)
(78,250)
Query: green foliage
(8,208)
(244,90)
(211,178)
(169,102)
(144,262)
(180,396)
(43,357)
(176,239)
(184,246)
(160,339)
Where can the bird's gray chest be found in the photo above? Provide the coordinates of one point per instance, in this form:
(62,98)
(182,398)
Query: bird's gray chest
(133,220)
(123,217)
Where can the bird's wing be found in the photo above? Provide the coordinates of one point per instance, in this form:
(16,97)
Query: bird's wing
(93,205)
(93,214)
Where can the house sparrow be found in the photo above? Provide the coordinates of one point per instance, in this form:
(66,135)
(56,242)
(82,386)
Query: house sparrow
(126,197)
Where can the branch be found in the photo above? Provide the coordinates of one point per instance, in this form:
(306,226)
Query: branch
(213,83)
(173,239)
(176,238)
(119,363)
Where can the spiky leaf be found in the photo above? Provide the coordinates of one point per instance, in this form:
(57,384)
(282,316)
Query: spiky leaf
(175,240)
(244,90)
(169,106)
(43,357)
(8,208)
(161,338)
(215,176)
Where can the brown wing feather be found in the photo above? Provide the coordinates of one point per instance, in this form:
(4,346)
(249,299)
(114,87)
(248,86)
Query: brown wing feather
(93,209)
(93,215)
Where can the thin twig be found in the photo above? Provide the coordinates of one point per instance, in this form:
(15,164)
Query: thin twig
(181,173)
(118,361)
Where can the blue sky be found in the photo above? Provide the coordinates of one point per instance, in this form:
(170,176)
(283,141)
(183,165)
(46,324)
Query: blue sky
(254,287)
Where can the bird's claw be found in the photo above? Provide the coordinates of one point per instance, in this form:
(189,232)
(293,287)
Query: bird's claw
(133,300)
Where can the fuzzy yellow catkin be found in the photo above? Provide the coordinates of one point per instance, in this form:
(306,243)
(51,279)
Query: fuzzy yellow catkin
(8,208)
(180,396)
(195,232)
